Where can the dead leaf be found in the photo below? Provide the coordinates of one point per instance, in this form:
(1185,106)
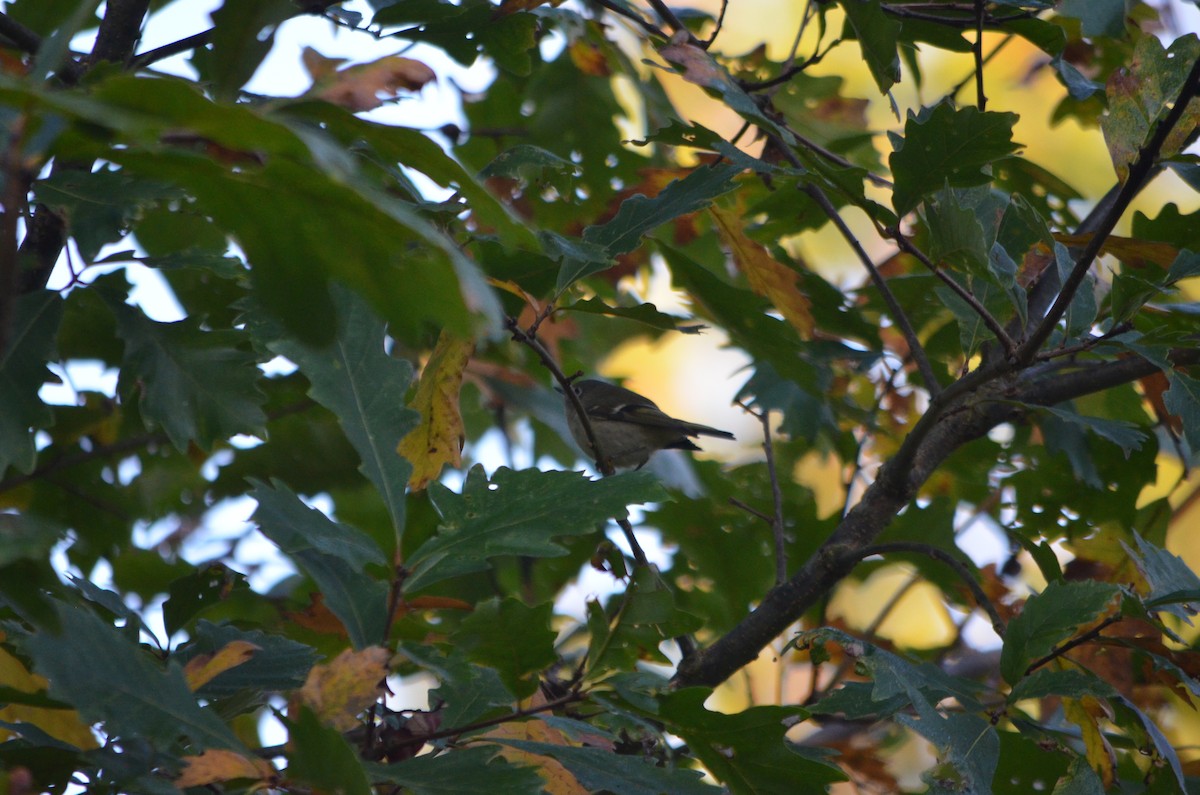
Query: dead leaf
(365,86)
(588,58)
(216,765)
(1130,251)
(767,276)
(338,691)
(438,439)
(202,669)
(696,65)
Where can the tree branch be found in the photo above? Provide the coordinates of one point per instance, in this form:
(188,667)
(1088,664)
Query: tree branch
(142,60)
(24,38)
(942,556)
(899,317)
(965,411)
(1138,173)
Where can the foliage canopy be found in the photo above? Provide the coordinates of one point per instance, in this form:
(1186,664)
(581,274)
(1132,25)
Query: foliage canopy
(359,298)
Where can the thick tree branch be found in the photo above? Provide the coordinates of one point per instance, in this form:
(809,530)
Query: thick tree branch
(960,415)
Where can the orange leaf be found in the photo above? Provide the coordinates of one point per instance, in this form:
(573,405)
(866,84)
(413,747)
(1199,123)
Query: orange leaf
(204,668)
(768,277)
(438,439)
(588,58)
(216,765)
(338,691)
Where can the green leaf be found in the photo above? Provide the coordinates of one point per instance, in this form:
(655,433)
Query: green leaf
(1183,400)
(1167,575)
(514,639)
(1126,435)
(320,757)
(467,692)
(1081,312)
(898,683)
(747,751)
(355,378)
(639,215)
(1098,17)
(600,770)
(243,34)
(120,686)
(1140,96)
(646,615)
(1066,684)
(278,665)
(946,145)
(1050,618)
(461,771)
(878,35)
(35,321)
(1079,780)
(967,742)
(519,513)
(98,206)
(1148,735)
(203,587)
(642,313)
(955,233)
(332,554)
(198,386)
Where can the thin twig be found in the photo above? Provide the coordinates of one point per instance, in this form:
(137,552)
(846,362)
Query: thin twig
(977,50)
(524,712)
(1144,164)
(16,187)
(981,598)
(529,338)
(966,295)
(641,21)
(25,39)
(915,349)
(775,520)
(174,48)
(1059,651)
(672,21)
(720,24)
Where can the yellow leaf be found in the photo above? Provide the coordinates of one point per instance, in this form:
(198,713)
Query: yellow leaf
(1084,713)
(338,691)
(202,669)
(438,439)
(559,780)
(1131,251)
(62,724)
(216,765)
(768,277)
(364,86)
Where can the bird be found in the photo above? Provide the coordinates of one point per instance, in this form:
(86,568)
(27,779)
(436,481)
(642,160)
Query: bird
(628,427)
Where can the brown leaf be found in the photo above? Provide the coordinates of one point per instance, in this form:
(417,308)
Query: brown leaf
(438,439)
(1131,251)
(217,765)
(767,276)
(360,87)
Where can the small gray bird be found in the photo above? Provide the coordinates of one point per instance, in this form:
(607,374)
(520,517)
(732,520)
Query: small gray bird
(627,426)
